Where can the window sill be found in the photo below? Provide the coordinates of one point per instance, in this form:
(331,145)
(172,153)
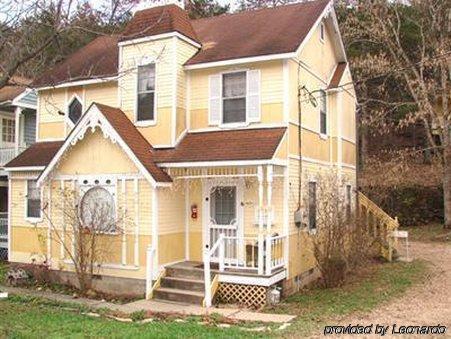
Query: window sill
(33,220)
(234,125)
(145,123)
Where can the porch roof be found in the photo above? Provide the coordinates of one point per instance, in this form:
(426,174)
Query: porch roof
(37,155)
(233,145)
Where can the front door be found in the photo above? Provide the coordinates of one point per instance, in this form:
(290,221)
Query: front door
(223,206)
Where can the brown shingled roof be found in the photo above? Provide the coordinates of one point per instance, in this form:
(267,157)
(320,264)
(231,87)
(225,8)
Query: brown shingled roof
(37,155)
(134,139)
(253,33)
(159,20)
(338,74)
(249,144)
(98,59)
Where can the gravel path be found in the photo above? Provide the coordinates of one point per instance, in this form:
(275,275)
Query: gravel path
(425,304)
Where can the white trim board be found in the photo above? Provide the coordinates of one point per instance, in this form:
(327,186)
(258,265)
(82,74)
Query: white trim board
(250,280)
(79,83)
(277,162)
(159,37)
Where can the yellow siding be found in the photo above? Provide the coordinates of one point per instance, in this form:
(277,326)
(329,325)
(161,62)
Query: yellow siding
(349,153)
(271,92)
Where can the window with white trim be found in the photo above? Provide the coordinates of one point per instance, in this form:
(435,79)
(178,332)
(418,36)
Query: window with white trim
(145,109)
(97,210)
(8,130)
(323,112)
(234,97)
(312,205)
(348,201)
(75,110)
(33,200)
(322,31)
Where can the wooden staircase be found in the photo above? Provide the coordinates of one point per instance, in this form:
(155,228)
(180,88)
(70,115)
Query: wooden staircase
(183,284)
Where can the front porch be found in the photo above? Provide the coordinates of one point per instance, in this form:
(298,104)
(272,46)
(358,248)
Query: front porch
(236,228)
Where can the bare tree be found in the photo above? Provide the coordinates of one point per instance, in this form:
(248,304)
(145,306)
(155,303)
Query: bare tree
(340,241)
(421,69)
(86,228)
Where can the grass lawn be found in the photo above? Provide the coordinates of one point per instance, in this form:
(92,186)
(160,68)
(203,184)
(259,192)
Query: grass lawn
(429,232)
(318,307)
(22,317)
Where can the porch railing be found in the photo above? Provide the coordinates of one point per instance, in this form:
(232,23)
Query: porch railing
(235,253)
(380,225)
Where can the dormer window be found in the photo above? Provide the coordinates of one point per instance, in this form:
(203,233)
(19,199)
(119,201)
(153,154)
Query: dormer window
(75,110)
(145,110)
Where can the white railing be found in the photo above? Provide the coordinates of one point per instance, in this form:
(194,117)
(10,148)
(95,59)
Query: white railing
(149,271)
(244,253)
(3,230)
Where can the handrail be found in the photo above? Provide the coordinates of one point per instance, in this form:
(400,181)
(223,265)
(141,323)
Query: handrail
(149,271)
(386,222)
(208,253)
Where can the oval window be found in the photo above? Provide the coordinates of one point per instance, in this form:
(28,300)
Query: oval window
(97,210)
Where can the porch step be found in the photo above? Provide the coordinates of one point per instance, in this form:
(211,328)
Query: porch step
(183,284)
(174,294)
(185,273)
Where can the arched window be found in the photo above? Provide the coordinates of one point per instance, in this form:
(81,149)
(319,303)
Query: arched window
(97,210)
(75,110)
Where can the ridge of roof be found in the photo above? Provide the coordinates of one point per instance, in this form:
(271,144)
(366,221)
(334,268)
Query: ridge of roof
(159,20)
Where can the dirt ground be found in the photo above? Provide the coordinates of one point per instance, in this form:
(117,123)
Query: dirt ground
(425,304)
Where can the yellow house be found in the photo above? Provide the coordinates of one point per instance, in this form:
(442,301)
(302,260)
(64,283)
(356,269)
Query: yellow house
(195,132)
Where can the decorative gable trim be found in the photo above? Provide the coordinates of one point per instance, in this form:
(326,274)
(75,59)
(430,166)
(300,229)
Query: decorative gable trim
(91,120)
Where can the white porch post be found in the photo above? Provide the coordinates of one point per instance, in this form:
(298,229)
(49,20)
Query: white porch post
(154,232)
(260,219)
(17,137)
(149,272)
(269,179)
(286,215)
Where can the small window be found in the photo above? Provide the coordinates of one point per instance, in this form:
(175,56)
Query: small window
(97,210)
(8,130)
(234,98)
(75,110)
(322,32)
(312,205)
(146,93)
(323,112)
(33,199)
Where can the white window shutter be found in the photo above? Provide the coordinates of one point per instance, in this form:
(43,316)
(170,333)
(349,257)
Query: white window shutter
(253,96)
(214,107)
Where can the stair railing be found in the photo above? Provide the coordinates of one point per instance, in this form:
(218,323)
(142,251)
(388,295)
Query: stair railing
(380,225)
(208,253)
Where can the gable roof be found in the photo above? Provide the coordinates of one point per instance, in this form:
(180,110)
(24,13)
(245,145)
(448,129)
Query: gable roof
(268,31)
(159,20)
(249,144)
(140,147)
(255,33)
(37,155)
(115,124)
(98,59)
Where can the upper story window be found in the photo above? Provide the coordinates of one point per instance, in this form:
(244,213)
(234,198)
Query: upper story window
(322,32)
(8,130)
(323,113)
(348,201)
(312,205)
(234,97)
(145,110)
(33,200)
(75,110)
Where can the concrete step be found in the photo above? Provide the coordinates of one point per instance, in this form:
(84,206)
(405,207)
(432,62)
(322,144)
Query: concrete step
(174,294)
(183,284)
(185,273)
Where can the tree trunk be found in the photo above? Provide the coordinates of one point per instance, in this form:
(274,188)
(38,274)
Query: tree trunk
(447,185)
